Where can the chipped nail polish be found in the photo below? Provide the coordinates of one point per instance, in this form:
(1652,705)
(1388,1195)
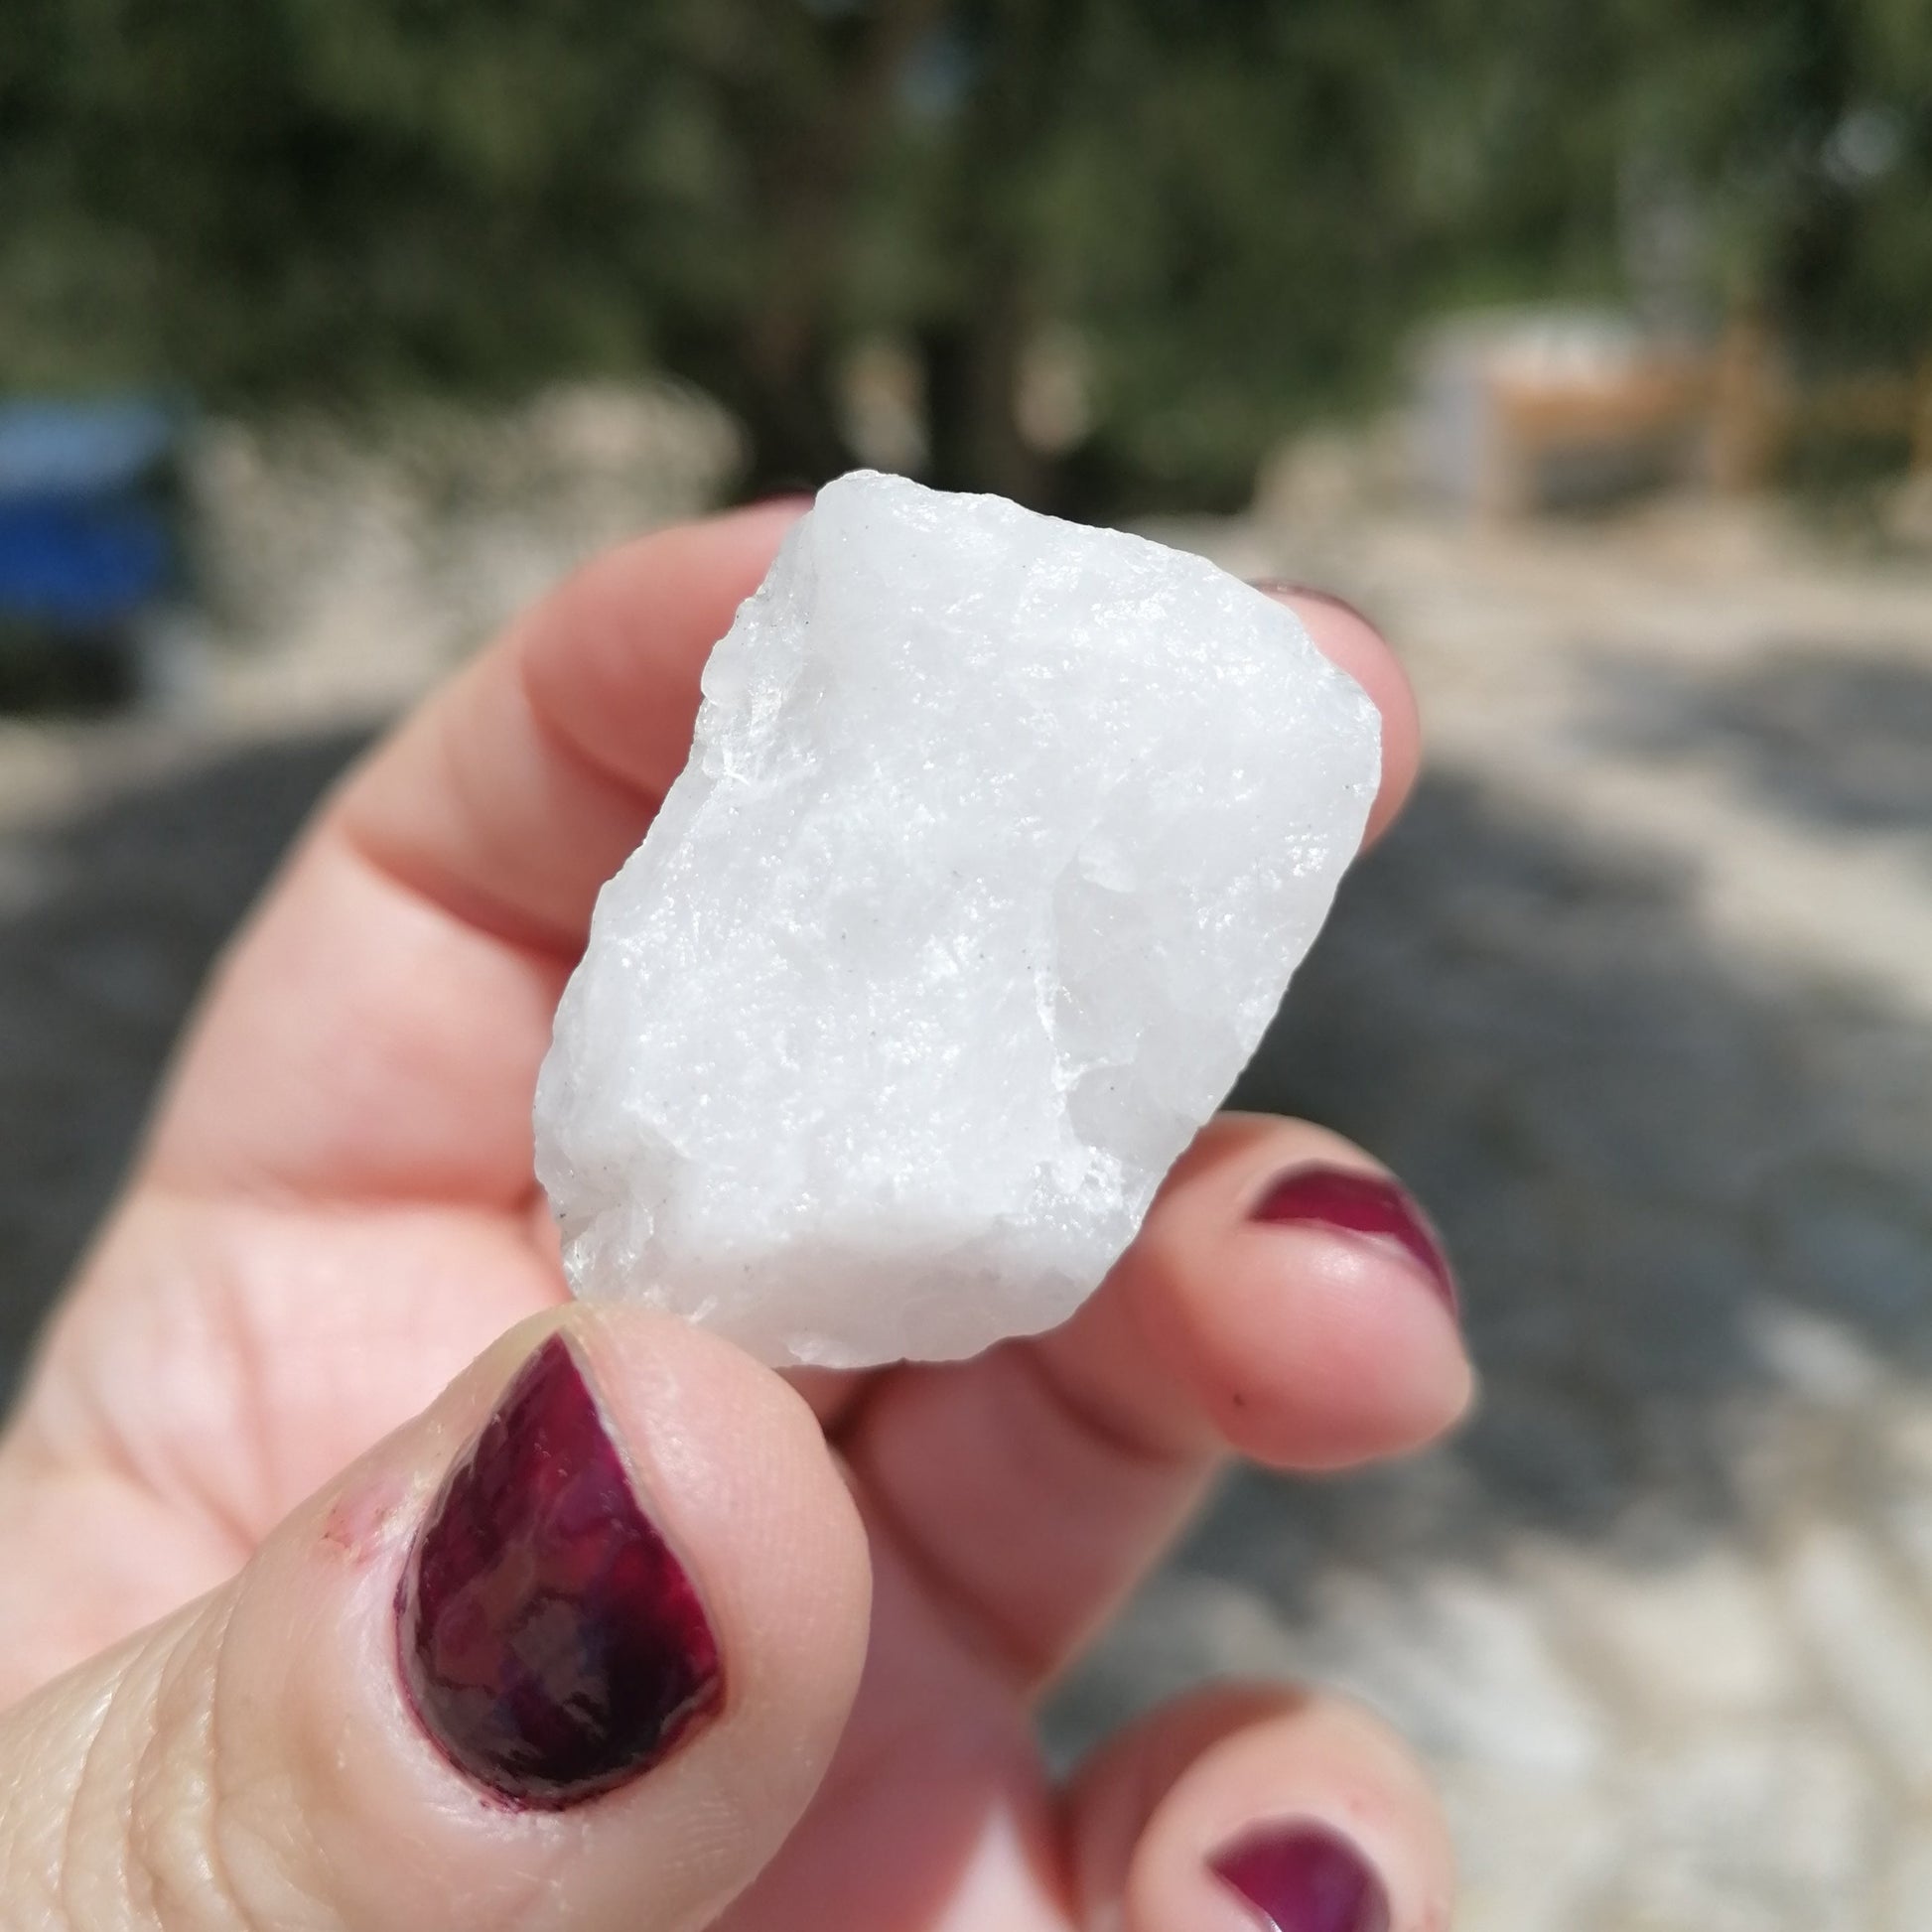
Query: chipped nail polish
(551,1642)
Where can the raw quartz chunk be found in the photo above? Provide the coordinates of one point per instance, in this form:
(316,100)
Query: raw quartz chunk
(998,843)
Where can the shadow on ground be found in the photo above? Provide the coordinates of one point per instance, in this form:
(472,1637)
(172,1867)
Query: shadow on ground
(1832,736)
(108,923)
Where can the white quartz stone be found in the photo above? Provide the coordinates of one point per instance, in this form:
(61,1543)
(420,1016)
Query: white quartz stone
(998,843)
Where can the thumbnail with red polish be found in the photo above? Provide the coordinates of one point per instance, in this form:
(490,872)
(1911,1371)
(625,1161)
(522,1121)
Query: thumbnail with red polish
(1303,1877)
(551,1642)
(1368,1205)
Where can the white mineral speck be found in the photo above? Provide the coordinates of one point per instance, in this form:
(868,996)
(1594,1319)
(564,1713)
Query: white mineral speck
(998,843)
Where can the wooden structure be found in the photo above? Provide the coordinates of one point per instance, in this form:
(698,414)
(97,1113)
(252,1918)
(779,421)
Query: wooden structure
(1520,412)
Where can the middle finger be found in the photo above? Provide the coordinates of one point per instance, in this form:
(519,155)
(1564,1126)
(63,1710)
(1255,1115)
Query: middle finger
(1284,1299)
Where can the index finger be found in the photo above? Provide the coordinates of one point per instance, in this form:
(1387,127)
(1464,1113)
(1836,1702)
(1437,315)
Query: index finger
(375,1032)
(517,792)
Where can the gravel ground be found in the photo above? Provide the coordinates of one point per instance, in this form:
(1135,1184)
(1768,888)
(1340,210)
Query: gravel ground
(1638,997)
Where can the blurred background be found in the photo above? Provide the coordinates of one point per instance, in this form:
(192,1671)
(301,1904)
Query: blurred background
(1587,346)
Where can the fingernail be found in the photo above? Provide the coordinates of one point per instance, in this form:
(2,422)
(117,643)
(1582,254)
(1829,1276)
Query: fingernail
(1283,587)
(551,1642)
(1369,1206)
(1303,1877)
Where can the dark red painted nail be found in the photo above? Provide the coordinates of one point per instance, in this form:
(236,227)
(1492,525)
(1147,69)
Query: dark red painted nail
(1368,1205)
(1283,587)
(1303,1877)
(551,1642)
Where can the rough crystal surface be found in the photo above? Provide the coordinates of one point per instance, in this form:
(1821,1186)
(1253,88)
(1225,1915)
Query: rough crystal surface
(998,843)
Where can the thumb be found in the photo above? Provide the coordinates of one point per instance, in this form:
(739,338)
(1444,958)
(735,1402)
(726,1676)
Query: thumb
(570,1650)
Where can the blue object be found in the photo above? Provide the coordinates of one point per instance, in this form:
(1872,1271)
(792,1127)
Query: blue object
(87,540)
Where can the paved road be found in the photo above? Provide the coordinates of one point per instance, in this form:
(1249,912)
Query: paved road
(1639,998)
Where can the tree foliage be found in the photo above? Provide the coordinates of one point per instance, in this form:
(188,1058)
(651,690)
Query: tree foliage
(1241,205)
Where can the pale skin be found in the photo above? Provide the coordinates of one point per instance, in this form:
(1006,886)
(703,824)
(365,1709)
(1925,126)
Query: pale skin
(331,1257)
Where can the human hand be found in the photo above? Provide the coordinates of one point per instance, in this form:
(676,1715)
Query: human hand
(294,1635)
